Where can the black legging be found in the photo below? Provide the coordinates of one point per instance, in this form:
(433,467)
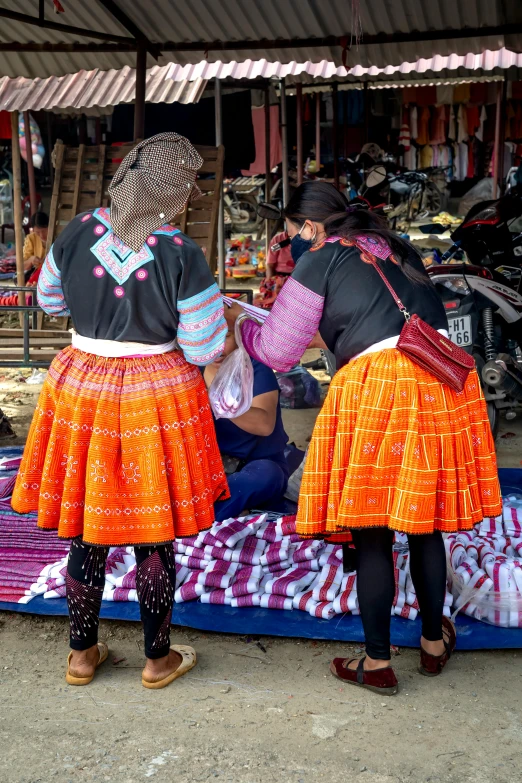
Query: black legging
(155,585)
(376,584)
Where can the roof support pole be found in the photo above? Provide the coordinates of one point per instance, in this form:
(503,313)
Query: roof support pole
(30,164)
(335,132)
(317,132)
(502,138)
(366,114)
(139,101)
(299,99)
(268,171)
(17,208)
(222,280)
(496,144)
(284,143)
(49,145)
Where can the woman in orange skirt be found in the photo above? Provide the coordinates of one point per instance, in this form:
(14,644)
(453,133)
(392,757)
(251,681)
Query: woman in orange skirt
(393,448)
(122,448)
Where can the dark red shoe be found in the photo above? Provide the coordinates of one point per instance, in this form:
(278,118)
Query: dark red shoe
(432,665)
(381,681)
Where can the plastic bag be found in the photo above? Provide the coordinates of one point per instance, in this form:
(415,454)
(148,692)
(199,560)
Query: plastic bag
(482,191)
(231,392)
(485,569)
(299,389)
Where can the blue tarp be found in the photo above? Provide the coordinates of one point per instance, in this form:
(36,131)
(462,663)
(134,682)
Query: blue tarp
(472,635)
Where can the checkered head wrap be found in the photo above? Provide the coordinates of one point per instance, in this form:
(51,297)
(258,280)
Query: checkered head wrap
(153,184)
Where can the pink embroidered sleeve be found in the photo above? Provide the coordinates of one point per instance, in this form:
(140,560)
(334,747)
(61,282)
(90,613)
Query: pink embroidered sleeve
(284,336)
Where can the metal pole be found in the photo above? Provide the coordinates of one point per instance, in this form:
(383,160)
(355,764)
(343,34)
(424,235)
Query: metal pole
(17,206)
(284,142)
(50,146)
(502,138)
(335,133)
(222,280)
(366,114)
(30,164)
(268,170)
(141,85)
(299,99)
(317,132)
(496,144)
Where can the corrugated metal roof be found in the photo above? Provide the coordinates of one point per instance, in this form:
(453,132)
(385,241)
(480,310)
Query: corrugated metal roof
(87,89)
(465,65)
(204,22)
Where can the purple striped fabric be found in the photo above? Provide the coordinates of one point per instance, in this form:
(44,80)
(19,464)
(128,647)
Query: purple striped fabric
(285,335)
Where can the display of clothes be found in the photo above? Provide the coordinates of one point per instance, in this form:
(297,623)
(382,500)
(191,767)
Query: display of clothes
(454,126)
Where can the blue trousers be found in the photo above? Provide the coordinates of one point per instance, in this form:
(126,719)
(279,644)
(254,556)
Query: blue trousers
(259,483)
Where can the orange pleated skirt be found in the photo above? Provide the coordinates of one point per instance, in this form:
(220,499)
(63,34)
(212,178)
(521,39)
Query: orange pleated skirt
(393,447)
(121,451)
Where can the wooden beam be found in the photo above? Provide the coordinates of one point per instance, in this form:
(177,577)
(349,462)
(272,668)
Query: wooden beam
(58,172)
(17,206)
(68,48)
(317,132)
(135,31)
(335,132)
(496,144)
(30,164)
(414,36)
(299,97)
(141,87)
(284,143)
(268,172)
(78,181)
(15,16)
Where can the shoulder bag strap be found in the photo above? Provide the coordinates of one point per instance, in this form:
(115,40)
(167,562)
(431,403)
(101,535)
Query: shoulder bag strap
(398,302)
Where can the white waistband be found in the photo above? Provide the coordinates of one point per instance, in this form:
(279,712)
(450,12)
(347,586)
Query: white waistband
(390,342)
(114,349)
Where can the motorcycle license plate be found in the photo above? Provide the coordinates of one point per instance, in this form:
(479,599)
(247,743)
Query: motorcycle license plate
(460,330)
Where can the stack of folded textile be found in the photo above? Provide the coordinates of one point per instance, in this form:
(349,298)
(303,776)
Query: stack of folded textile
(485,567)
(25,551)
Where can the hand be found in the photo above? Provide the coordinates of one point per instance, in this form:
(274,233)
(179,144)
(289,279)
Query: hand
(232,313)
(29,263)
(318,342)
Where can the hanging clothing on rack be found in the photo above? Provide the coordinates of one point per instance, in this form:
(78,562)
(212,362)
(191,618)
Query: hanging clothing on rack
(483,117)
(461,93)
(413,122)
(438,126)
(462,120)
(426,156)
(473,119)
(423,136)
(463,161)
(452,128)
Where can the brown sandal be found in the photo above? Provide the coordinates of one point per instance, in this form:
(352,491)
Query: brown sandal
(381,681)
(432,665)
(103,652)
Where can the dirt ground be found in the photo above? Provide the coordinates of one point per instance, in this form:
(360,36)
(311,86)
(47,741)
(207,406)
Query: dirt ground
(249,712)
(244,715)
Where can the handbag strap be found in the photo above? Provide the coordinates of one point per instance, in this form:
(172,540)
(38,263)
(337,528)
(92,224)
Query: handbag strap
(388,285)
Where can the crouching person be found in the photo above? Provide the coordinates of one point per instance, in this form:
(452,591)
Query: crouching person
(252,445)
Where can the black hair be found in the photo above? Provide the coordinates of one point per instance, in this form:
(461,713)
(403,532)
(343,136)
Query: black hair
(39,220)
(321,202)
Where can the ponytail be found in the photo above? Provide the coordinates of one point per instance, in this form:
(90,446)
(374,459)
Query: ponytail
(321,202)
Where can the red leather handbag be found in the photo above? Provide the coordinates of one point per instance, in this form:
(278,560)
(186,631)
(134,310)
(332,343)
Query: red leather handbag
(428,348)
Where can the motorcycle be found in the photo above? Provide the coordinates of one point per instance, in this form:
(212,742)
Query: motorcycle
(483,298)
(409,194)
